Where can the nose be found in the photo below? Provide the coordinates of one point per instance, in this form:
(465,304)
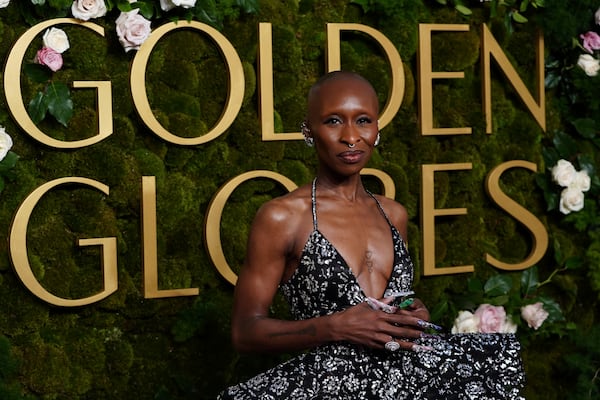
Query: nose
(350,135)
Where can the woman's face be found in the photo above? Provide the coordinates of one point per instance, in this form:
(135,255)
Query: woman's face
(342,118)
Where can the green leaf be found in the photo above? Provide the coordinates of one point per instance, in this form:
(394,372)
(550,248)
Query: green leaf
(552,79)
(37,108)
(587,163)
(518,17)
(550,156)
(497,285)
(586,127)
(565,145)
(524,5)
(248,6)
(529,280)
(1,184)
(574,262)
(60,104)
(38,2)
(37,73)
(463,10)
(146,9)
(553,309)
(444,2)
(9,161)
(498,300)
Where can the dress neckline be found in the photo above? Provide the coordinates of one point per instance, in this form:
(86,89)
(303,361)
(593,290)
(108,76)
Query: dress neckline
(395,237)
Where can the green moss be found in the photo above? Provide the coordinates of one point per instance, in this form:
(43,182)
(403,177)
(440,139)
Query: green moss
(167,347)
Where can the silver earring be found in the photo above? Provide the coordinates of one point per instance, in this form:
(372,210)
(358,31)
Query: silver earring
(310,142)
(377,140)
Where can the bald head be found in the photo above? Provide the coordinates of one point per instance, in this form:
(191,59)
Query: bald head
(338,83)
(336,76)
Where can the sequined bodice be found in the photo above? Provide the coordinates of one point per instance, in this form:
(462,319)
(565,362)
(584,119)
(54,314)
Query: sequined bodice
(323,283)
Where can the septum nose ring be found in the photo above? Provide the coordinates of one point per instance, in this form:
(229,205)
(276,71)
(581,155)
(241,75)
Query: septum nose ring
(351,145)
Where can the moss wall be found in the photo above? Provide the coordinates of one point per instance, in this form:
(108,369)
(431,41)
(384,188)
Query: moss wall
(179,348)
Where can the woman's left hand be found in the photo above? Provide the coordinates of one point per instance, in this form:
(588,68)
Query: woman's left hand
(416,309)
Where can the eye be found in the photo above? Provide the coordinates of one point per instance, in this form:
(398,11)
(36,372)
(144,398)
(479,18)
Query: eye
(332,121)
(364,121)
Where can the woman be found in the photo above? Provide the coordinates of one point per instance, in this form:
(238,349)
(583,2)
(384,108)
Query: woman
(338,254)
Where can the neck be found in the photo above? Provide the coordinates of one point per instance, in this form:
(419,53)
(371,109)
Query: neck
(349,188)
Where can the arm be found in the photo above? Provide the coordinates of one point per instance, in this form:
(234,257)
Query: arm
(271,244)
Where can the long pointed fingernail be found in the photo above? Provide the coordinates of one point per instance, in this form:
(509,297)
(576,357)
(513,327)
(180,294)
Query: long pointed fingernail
(418,347)
(429,336)
(429,325)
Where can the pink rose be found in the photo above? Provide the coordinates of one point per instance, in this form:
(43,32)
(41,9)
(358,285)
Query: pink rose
(491,318)
(50,58)
(534,314)
(591,41)
(132,29)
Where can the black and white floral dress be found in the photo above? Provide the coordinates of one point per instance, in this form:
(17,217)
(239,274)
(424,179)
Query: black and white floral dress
(461,366)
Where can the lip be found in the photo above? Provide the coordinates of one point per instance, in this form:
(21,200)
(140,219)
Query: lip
(351,156)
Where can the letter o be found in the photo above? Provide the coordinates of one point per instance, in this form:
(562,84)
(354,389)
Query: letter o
(215,211)
(236,82)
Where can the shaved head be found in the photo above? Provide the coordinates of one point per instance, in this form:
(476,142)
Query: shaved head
(336,77)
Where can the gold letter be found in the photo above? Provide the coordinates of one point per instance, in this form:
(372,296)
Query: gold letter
(389,189)
(151,290)
(265,86)
(14,99)
(540,236)
(236,83)
(215,210)
(334,63)
(429,212)
(18,248)
(489,46)
(426,76)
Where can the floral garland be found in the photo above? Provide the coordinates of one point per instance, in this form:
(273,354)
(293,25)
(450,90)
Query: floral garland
(133,27)
(570,175)
(589,62)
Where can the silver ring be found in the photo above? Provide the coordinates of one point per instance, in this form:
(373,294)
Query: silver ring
(351,145)
(392,345)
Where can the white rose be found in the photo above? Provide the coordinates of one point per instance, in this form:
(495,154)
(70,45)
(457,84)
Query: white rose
(581,181)
(166,5)
(4,3)
(509,326)
(86,9)
(56,39)
(588,64)
(465,322)
(132,29)
(597,16)
(563,173)
(571,199)
(534,314)
(5,143)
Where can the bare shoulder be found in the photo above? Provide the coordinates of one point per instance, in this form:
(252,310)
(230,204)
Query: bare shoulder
(396,212)
(283,218)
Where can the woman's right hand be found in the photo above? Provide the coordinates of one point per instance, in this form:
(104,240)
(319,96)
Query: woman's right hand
(361,324)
